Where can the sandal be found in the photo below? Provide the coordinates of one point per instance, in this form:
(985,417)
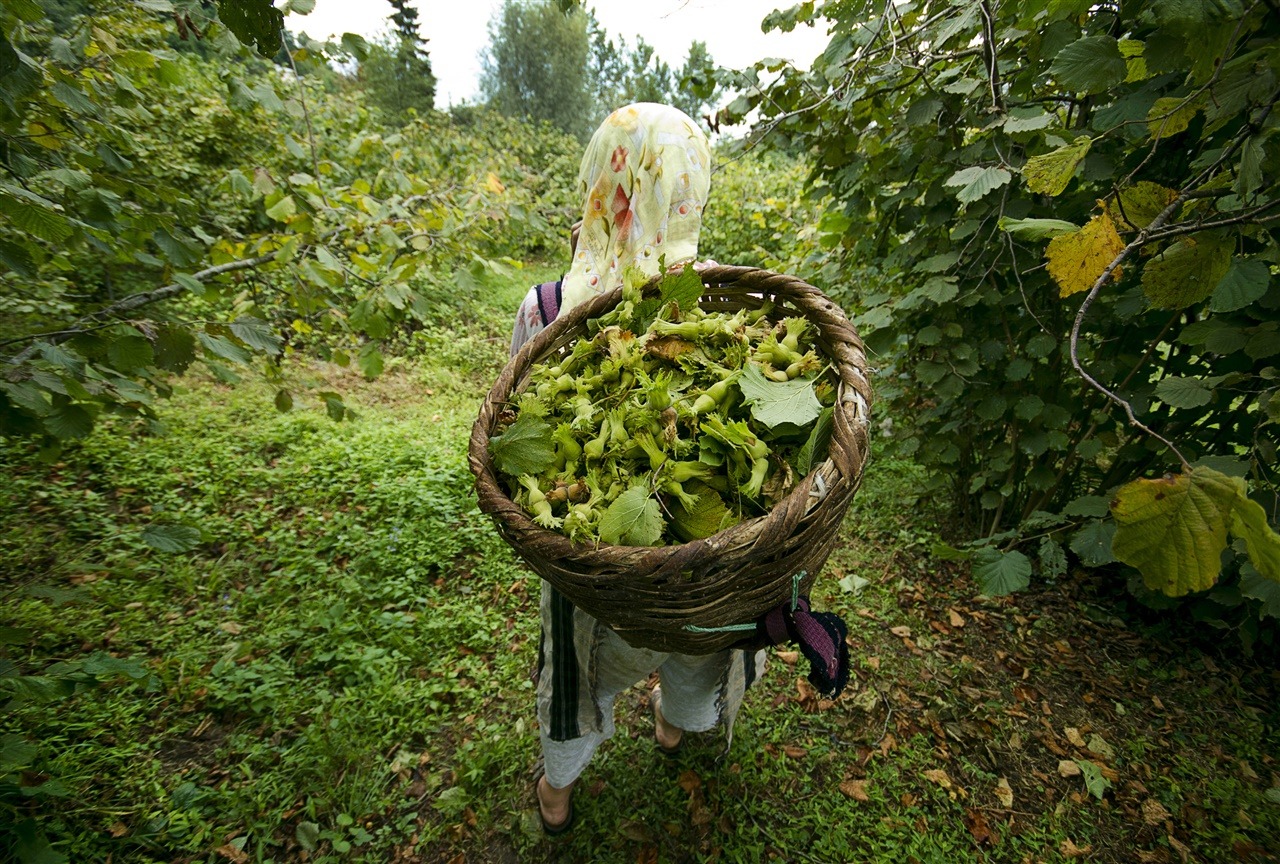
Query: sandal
(557,828)
(655,702)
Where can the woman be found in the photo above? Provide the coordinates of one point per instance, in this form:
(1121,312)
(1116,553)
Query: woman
(644,182)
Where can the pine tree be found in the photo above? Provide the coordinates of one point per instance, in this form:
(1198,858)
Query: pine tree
(397,71)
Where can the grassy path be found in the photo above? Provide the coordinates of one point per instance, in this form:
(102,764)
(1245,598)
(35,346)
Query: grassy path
(340,670)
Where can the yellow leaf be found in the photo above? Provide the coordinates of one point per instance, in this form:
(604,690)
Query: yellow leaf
(1051,172)
(1139,204)
(44,135)
(1170,115)
(493,184)
(1187,271)
(1249,523)
(1136,66)
(1078,258)
(1173,530)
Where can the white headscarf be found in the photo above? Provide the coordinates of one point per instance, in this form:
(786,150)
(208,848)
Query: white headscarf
(644,180)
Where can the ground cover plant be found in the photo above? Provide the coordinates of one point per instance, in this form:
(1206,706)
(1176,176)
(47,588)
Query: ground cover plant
(252,613)
(336,667)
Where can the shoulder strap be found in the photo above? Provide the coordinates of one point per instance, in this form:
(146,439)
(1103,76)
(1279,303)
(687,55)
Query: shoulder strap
(548,301)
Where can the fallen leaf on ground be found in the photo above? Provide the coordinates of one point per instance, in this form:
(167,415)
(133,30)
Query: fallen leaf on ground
(1184,852)
(1068,768)
(956,619)
(976,822)
(795,752)
(937,775)
(1153,812)
(867,699)
(231,853)
(1004,794)
(1074,736)
(1099,745)
(118,829)
(855,789)
(634,830)
(901,631)
(1071,850)
(689,781)
(788,657)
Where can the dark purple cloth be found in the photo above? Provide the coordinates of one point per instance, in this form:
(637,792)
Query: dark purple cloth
(820,637)
(549,301)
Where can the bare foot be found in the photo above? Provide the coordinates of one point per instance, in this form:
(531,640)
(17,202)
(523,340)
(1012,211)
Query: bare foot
(667,735)
(553,802)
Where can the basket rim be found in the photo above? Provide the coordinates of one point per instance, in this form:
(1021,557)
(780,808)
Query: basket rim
(560,546)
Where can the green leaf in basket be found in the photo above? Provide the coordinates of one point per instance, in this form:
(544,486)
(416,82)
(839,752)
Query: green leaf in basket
(707,516)
(683,289)
(635,519)
(815,449)
(773,403)
(525,448)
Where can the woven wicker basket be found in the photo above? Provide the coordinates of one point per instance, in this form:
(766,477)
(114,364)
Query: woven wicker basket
(651,595)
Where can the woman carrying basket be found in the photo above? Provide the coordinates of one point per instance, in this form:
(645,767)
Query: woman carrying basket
(644,181)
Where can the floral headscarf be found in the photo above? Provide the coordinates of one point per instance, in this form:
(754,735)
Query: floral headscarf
(644,181)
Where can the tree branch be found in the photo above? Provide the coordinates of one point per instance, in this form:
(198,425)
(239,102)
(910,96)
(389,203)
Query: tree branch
(989,56)
(1150,234)
(306,114)
(136,301)
(1254,217)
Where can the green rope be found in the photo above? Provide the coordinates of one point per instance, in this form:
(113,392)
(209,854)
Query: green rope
(795,589)
(742,628)
(728,628)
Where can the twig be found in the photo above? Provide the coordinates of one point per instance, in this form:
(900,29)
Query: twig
(75,332)
(135,301)
(306,115)
(1147,235)
(989,56)
(1253,216)
(1135,243)
(884,730)
(1026,302)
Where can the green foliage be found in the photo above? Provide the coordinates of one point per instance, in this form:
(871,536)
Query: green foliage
(633,519)
(398,78)
(524,448)
(170,211)
(396,71)
(535,65)
(545,62)
(760,214)
(955,141)
(774,403)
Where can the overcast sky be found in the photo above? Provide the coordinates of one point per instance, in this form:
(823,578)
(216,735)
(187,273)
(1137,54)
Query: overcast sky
(458,30)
